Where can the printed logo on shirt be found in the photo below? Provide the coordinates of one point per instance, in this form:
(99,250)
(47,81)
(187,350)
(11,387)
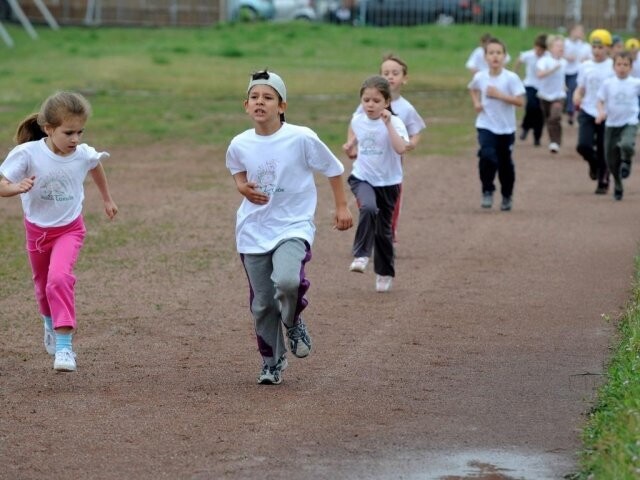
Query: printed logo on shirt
(57,187)
(621,98)
(369,145)
(267,178)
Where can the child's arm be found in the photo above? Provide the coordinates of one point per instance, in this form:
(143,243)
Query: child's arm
(351,147)
(413,142)
(249,190)
(343,219)
(8,189)
(517,100)
(100,179)
(602,112)
(398,143)
(578,94)
(475,98)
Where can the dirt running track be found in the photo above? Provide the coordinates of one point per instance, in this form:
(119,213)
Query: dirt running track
(481,363)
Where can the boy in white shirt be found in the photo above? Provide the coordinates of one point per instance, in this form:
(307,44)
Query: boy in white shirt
(273,166)
(618,108)
(576,51)
(533,118)
(591,75)
(551,89)
(495,94)
(476,61)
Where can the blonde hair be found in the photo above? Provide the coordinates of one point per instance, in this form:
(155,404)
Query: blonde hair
(53,112)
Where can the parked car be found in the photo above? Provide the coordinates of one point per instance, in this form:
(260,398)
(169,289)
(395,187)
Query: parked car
(295,10)
(405,12)
(250,10)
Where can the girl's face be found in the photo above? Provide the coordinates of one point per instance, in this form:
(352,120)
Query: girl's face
(394,73)
(494,55)
(63,139)
(622,67)
(263,105)
(373,102)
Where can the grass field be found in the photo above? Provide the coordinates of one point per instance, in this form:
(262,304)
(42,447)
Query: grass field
(186,86)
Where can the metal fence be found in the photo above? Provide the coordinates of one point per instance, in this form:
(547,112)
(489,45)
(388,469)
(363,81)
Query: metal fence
(616,15)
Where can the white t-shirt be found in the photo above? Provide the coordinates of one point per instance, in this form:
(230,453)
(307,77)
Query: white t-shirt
(58,192)
(590,76)
(407,113)
(477,62)
(579,50)
(552,87)
(283,166)
(377,162)
(620,97)
(497,116)
(529,58)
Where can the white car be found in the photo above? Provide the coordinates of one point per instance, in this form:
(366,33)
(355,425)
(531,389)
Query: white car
(294,10)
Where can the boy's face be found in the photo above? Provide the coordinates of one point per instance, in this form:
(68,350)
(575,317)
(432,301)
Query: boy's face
(539,50)
(622,67)
(494,55)
(394,73)
(263,104)
(600,52)
(557,48)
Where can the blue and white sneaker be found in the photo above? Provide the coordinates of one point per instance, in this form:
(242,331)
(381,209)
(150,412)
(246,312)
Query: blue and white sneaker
(273,375)
(299,340)
(49,341)
(65,361)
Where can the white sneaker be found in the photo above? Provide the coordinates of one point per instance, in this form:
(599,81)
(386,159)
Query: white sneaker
(359,264)
(383,283)
(554,147)
(49,341)
(65,361)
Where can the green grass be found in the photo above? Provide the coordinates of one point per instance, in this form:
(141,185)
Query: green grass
(187,85)
(612,436)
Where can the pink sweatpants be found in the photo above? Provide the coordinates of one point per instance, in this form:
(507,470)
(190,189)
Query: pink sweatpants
(53,253)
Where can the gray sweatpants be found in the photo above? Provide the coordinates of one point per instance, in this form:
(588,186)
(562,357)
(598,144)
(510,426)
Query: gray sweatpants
(277,285)
(619,147)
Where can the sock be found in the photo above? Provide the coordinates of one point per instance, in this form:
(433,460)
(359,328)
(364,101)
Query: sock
(48,323)
(63,341)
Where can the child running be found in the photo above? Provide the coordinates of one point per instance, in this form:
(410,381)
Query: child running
(576,51)
(273,166)
(618,104)
(533,118)
(551,89)
(381,139)
(47,169)
(591,75)
(396,71)
(495,94)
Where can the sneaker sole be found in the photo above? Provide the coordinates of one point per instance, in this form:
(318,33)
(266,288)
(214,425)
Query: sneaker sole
(357,269)
(64,368)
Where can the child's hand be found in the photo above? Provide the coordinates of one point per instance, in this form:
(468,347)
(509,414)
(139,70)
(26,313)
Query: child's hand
(253,194)
(24,185)
(493,92)
(385,116)
(600,118)
(110,209)
(477,107)
(350,149)
(343,219)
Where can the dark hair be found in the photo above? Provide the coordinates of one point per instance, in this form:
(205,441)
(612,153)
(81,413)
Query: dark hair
(485,38)
(381,84)
(53,112)
(495,41)
(623,54)
(398,60)
(541,41)
(264,75)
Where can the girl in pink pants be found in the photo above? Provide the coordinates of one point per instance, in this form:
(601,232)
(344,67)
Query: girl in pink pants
(47,169)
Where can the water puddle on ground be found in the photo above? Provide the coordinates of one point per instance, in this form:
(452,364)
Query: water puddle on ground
(485,465)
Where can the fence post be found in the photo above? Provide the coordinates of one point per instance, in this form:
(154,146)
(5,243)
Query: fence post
(26,24)
(524,13)
(633,15)
(5,36)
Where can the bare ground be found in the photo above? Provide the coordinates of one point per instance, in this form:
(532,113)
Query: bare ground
(481,363)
